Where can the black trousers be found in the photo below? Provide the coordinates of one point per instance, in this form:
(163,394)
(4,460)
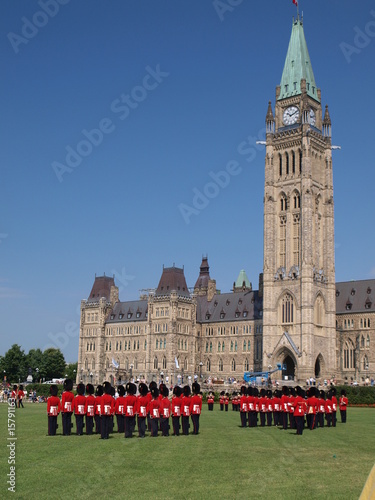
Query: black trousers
(98,424)
(120,423)
(334,419)
(185,425)
(141,426)
(67,423)
(79,425)
(89,425)
(176,426)
(105,426)
(269,418)
(210,406)
(262,419)
(343,416)
(195,420)
(154,426)
(52,425)
(129,426)
(243,415)
(299,421)
(164,426)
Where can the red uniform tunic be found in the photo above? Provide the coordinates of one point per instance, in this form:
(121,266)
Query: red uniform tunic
(130,405)
(107,405)
(154,408)
(165,408)
(195,405)
(79,405)
(53,406)
(176,406)
(67,400)
(141,405)
(90,405)
(343,403)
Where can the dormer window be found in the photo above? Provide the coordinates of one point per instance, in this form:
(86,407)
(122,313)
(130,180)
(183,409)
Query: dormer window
(368,291)
(208,315)
(245,314)
(120,316)
(227,302)
(215,303)
(129,315)
(337,293)
(138,314)
(352,291)
(112,316)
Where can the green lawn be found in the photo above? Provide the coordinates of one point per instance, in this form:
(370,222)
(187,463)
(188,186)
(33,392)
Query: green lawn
(223,461)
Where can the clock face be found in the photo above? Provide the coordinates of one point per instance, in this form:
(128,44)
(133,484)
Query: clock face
(312,118)
(290,115)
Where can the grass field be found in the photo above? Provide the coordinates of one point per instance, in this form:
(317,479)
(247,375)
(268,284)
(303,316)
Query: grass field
(223,462)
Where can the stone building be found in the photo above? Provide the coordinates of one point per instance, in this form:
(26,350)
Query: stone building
(299,316)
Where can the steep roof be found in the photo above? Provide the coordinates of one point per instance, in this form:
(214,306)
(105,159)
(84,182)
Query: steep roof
(229,307)
(204,274)
(172,279)
(243,280)
(123,312)
(101,288)
(297,65)
(355,296)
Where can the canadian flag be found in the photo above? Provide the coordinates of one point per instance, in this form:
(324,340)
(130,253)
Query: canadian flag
(295,2)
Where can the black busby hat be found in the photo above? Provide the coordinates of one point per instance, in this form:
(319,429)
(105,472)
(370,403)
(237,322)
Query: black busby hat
(107,387)
(81,389)
(152,384)
(222,393)
(99,390)
(177,391)
(21,387)
(15,387)
(243,389)
(143,389)
(262,393)
(165,391)
(186,390)
(343,392)
(154,392)
(196,388)
(121,390)
(249,391)
(90,389)
(322,394)
(255,391)
(284,390)
(68,384)
(53,390)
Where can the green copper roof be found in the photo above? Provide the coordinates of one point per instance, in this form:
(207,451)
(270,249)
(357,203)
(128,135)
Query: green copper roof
(297,65)
(241,279)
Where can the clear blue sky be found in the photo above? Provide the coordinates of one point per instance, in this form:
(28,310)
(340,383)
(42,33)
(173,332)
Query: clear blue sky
(118,211)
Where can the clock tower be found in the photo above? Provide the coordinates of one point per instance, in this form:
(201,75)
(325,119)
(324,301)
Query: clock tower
(299,303)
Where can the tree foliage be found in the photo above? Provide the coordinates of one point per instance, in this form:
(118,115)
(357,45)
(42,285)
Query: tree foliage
(13,364)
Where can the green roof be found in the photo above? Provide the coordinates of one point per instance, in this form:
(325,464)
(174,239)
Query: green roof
(297,65)
(241,279)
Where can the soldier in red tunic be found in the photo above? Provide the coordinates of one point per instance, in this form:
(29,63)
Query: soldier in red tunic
(67,399)
(141,409)
(106,409)
(343,404)
(154,407)
(79,408)
(195,407)
(176,410)
(98,408)
(243,406)
(120,409)
(328,409)
(20,396)
(90,409)
(53,409)
(321,408)
(185,410)
(130,404)
(210,401)
(222,400)
(165,411)
(299,405)
(262,407)
(284,406)
(334,406)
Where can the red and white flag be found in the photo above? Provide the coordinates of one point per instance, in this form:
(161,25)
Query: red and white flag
(295,2)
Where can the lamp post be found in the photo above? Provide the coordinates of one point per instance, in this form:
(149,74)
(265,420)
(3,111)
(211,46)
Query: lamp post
(200,369)
(74,374)
(81,374)
(91,377)
(131,372)
(37,374)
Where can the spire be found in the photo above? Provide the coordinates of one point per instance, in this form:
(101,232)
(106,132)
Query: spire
(327,123)
(242,283)
(270,121)
(297,66)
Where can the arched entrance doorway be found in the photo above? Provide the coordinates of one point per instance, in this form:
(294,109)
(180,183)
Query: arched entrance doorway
(319,366)
(290,367)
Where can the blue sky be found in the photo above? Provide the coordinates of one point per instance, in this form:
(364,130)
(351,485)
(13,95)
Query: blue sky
(173,88)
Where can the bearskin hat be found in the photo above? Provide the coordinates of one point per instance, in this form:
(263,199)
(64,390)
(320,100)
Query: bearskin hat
(298,390)
(107,388)
(154,392)
(53,390)
(186,390)
(243,389)
(68,384)
(15,387)
(333,391)
(21,387)
(343,392)
(262,393)
(255,392)
(269,393)
(177,391)
(81,389)
(152,384)
(90,389)
(143,389)
(165,391)
(222,393)
(284,390)
(121,390)
(161,387)
(196,388)
(131,388)
(99,390)
(249,391)
(322,394)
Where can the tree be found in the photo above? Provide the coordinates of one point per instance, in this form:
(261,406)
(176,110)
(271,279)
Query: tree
(53,363)
(71,370)
(34,362)
(13,364)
